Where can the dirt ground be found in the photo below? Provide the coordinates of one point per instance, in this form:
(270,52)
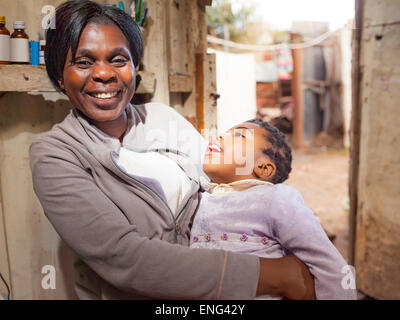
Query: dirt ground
(321,175)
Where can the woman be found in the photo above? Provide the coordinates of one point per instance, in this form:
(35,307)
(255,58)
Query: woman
(120,224)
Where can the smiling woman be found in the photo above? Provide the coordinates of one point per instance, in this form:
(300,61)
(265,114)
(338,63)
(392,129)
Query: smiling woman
(95,61)
(121,195)
(99,80)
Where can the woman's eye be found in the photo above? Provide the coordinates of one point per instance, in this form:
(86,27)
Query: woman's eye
(119,61)
(83,63)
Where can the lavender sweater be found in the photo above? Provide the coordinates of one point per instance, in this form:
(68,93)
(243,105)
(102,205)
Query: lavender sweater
(271,221)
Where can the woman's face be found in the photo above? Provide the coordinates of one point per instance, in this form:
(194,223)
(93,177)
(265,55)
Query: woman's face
(101,82)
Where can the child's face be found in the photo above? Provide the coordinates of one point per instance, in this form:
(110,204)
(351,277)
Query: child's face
(237,155)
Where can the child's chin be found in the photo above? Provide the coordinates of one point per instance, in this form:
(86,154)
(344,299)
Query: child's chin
(211,169)
(207,168)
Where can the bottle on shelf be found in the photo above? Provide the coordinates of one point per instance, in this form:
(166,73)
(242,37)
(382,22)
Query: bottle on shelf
(35,49)
(4,42)
(19,42)
(41,52)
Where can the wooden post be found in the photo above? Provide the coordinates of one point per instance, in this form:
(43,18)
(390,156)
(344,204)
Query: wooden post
(377,175)
(355,131)
(200,91)
(155,57)
(298,94)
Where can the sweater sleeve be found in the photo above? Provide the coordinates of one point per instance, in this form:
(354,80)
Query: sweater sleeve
(298,230)
(181,134)
(91,224)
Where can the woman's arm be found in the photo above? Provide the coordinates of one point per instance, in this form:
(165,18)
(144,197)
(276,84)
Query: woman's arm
(96,229)
(287,276)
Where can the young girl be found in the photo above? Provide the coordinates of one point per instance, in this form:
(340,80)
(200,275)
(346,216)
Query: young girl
(247,209)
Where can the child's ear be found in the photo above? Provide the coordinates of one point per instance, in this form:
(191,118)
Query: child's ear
(264,169)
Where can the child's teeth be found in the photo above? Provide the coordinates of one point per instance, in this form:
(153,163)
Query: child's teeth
(215,147)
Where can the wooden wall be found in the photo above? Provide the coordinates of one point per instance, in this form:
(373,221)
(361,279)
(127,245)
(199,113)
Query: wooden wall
(31,241)
(177,30)
(175,51)
(377,199)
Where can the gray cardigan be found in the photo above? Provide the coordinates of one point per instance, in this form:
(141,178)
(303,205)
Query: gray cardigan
(119,225)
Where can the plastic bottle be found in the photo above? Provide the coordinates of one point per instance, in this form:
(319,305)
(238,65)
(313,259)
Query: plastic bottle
(19,44)
(41,52)
(4,42)
(34,48)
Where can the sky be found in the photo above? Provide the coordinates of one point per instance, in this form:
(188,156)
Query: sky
(279,14)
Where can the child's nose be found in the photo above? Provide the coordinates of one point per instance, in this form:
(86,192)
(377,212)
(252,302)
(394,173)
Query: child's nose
(223,135)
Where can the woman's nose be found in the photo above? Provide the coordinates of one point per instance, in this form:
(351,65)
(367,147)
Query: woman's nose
(104,73)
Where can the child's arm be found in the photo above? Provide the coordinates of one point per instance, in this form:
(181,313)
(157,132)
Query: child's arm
(296,228)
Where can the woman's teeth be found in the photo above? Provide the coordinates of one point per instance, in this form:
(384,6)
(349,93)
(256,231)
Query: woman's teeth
(105,95)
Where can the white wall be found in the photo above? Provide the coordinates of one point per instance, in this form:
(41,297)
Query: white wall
(237,86)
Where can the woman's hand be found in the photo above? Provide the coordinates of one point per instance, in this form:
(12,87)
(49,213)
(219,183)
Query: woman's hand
(287,276)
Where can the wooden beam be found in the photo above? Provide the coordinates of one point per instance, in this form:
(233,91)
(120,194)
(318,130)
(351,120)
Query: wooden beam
(204,2)
(200,91)
(148,82)
(355,131)
(298,95)
(180,83)
(155,57)
(26,78)
(211,94)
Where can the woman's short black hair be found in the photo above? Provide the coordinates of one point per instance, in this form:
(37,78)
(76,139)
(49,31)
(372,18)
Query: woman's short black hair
(71,18)
(279,152)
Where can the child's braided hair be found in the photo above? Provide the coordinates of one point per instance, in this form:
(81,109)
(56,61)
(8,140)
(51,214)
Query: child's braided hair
(279,152)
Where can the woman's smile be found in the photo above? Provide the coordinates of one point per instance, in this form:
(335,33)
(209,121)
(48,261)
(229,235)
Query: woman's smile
(105,99)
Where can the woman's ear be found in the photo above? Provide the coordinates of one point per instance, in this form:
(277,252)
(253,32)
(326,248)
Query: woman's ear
(61,84)
(264,169)
(138,79)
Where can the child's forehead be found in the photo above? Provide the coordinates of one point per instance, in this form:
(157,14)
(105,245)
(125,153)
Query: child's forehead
(256,133)
(253,128)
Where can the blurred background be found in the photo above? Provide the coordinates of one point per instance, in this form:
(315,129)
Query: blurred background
(325,73)
(276,59)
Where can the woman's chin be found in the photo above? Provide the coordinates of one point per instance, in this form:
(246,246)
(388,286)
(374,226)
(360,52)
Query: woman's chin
(101,115)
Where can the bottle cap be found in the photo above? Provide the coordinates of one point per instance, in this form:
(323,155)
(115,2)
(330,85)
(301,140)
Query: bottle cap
(2,20)
(19,24)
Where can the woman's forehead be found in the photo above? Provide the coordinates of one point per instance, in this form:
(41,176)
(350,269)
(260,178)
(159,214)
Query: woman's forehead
(96,36)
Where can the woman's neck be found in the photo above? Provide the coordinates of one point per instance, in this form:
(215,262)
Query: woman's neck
(114,128)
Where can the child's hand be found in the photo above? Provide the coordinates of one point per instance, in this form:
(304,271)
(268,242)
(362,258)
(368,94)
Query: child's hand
(287,276)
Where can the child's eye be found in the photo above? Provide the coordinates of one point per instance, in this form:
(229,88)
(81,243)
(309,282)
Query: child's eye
(239,134)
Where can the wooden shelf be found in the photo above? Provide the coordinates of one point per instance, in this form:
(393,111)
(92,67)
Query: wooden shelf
(180,83)
(27,78)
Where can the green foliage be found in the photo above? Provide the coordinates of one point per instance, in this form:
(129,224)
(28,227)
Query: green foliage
(224,19)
